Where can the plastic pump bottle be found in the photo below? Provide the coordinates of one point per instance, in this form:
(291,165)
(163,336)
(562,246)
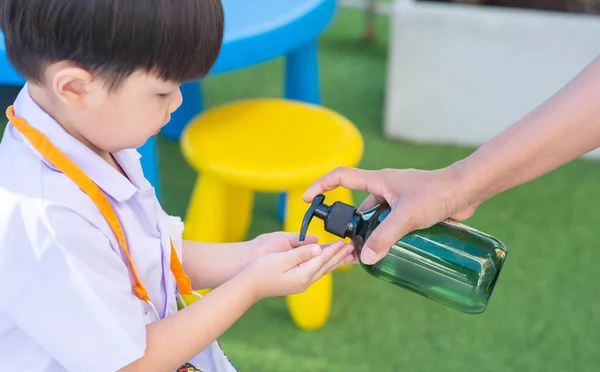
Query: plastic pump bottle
(449,262)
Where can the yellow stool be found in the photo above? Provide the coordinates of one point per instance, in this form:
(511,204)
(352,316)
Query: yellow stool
(268,145)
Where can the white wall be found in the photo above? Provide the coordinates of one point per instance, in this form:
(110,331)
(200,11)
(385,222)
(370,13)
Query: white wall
(459,74)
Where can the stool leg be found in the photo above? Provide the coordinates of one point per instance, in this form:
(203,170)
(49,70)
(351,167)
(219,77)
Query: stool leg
(302,74)
(345,196)
(239,213)
(281,207)
(309,310)
(191,106)
(206,218)
(301,84)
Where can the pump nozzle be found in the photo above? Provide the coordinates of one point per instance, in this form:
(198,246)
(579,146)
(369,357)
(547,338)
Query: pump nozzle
(336,217)
(317,201)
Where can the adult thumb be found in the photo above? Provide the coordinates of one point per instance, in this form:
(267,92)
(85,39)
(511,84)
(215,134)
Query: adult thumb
(392,229)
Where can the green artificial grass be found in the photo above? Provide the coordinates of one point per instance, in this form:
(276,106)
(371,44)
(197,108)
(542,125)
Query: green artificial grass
(545,311)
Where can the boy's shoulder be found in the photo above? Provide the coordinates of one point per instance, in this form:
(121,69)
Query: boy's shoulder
(36,199)
(40,208)
(26,179)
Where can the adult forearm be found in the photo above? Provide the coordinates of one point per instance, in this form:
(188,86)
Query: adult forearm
(173,341)
(560,130)
(210,265)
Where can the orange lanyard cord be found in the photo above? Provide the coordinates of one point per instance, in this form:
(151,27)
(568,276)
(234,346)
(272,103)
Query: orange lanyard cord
(71,170)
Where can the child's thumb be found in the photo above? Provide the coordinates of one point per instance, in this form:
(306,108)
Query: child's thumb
(303,254)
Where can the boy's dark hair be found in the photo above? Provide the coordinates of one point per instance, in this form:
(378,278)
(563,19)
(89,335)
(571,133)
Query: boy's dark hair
(178,40)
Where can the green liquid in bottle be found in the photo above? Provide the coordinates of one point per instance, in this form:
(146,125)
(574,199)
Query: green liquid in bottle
(454,265)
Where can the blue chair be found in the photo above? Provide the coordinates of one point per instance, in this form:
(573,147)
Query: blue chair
(256,31)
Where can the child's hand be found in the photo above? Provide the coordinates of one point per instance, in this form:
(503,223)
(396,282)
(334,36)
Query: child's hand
(277,242)
(293,271)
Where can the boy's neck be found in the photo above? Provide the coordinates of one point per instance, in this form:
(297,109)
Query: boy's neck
(44,101)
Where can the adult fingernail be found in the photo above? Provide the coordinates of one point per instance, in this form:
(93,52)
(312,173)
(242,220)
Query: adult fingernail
(368,256)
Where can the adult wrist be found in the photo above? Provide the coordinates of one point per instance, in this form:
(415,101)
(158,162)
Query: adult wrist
(465,185)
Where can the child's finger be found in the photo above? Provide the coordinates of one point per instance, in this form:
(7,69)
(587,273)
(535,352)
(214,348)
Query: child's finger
(345,261)
(330,256)
(340,258)
(353,257)
(294,239)
(349,259)
(328,252)
(307,271)
(300,255)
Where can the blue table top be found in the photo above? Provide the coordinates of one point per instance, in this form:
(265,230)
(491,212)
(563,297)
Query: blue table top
(259,30)
(255,31)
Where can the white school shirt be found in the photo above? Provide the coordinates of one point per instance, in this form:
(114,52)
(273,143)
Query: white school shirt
(66,299)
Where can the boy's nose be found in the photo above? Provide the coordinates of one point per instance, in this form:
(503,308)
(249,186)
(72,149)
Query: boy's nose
(177,101)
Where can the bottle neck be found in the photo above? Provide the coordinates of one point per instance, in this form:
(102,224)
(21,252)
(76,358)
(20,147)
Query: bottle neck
(362,224)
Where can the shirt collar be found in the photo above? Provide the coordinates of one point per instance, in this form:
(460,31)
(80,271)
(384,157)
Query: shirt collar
(111,181)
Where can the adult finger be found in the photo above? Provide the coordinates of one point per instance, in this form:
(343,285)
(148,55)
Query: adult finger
(393,228)
(350,178)
(371,201)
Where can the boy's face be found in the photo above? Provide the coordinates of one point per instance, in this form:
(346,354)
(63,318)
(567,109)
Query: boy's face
(110,121)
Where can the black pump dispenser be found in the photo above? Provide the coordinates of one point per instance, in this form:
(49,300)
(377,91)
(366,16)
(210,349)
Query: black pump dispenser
(337,217)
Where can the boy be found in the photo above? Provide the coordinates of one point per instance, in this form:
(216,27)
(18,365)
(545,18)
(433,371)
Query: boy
(90,265)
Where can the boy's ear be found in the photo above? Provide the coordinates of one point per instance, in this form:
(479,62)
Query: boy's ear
(72,85)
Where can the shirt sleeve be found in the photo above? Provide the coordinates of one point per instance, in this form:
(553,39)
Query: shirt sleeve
(76,299)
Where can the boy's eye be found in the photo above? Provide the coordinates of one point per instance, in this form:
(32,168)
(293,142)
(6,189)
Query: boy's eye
(163,95)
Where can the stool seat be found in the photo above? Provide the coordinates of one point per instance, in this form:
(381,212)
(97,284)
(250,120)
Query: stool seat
(271,144)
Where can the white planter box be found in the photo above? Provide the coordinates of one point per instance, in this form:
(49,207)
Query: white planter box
(460,74)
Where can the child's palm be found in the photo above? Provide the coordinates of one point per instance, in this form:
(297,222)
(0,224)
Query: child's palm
(293,271)
(277,242)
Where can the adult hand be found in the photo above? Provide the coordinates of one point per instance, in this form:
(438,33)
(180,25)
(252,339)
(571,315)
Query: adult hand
(418,199)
